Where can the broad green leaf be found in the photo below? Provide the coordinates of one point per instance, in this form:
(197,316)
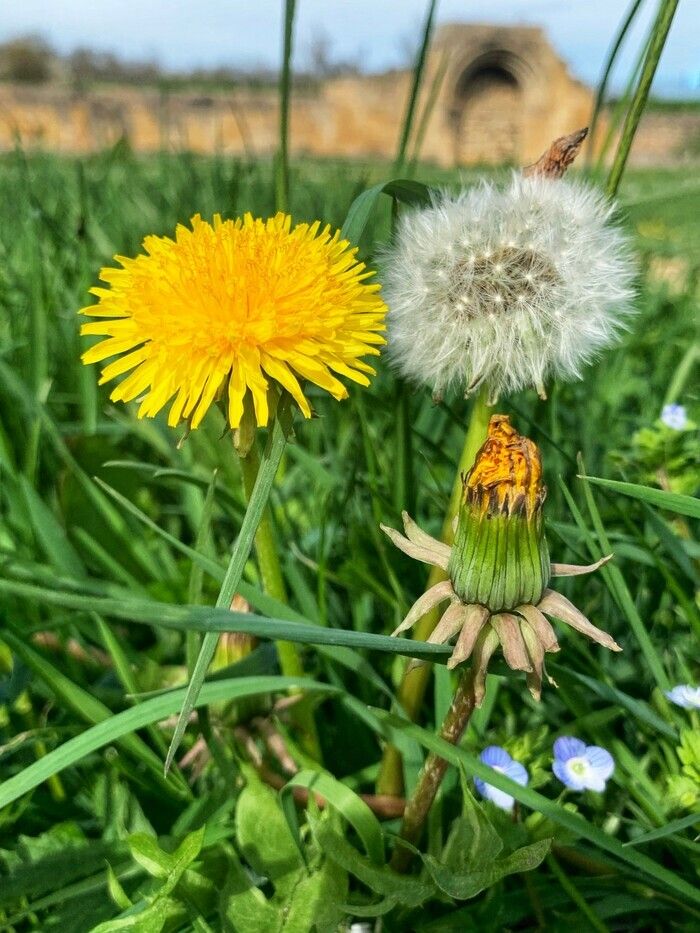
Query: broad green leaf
(362,208)
(244,908)
(316,903)
(473,843)
(471,881)
(670,501)
(165,865)
(272,853)
(406,890)
(346,802)
(116,891)
(143,917)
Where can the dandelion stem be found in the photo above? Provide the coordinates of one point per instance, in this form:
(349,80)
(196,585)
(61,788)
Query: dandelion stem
(418,807)
(277,439)
(267,558)
(664,18)
(415,681)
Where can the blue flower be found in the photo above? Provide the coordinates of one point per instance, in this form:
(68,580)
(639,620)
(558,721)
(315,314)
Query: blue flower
(685,695)
(498,758)
(674,416)
(581,767)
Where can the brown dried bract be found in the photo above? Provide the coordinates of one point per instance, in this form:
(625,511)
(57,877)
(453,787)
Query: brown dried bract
(555,161)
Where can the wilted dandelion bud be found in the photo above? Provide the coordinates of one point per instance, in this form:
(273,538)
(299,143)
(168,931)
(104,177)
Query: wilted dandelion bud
(506,287)
(498,567)
(500,524)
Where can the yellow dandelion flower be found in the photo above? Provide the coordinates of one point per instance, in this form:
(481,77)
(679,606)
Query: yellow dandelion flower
(235,306)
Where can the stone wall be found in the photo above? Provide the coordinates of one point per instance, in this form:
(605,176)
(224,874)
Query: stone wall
(500,94)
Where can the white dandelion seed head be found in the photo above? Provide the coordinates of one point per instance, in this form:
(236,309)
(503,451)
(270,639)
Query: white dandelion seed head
(507,287)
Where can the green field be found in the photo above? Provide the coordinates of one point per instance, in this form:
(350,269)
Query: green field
(98,505)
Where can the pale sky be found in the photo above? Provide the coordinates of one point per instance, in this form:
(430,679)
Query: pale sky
(184,34)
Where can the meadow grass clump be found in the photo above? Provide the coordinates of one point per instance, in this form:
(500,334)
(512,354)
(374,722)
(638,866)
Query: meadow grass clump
(131,552)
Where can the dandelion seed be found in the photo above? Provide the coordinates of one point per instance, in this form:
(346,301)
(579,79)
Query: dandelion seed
(498,758)
(559,287)
(685,695)
(674,416)
(581,767)
(235,308)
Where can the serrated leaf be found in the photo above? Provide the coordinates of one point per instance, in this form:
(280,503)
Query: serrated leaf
(263,835)
(345,801)
(473,842)
(411,892)
(316,901)
(116,891)
(243,908)
(463,885)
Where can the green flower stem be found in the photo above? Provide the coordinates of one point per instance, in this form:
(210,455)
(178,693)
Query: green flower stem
(415,682)
(273,584)
(660,30)
(418,807)
(277,439)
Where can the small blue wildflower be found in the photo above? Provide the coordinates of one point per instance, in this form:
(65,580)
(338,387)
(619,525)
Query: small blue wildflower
(498,758)
(685,695)
(581,767)
(674,416)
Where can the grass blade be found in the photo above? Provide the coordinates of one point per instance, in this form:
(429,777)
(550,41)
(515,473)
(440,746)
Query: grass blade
(281,426)
(667,10)
(671,501)
(119,726)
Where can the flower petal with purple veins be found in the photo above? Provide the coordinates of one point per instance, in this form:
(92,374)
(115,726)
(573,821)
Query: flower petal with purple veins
(581,767)
(568,747)
(498,758)
(685,696)
(495,757)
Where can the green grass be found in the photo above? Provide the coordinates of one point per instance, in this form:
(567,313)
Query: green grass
(82,736)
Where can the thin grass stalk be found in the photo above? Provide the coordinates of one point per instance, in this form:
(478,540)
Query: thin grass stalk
(277,439)
(570,888)
(621,106)
(667,10)
(285,87)
(427,113)
(267,558)
(404,484)
(420,803)
(415,681)
(613,52)
(418,69)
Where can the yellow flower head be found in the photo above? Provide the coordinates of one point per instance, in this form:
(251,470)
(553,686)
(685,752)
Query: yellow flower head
(235,305)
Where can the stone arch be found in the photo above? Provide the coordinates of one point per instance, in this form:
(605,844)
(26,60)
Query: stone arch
(487,112)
